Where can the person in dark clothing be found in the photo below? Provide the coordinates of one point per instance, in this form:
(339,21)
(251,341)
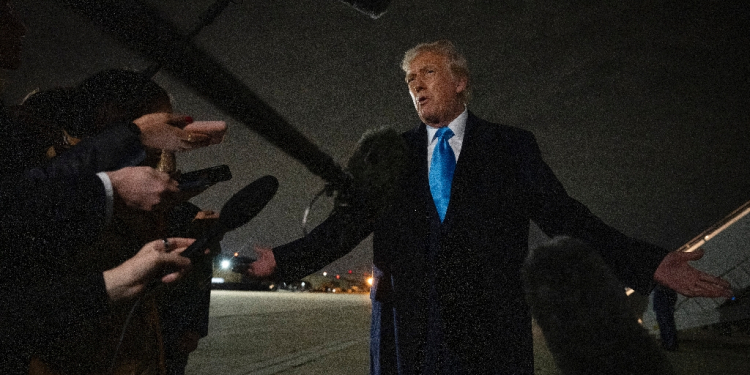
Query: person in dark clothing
(82,112)
(459,221)
(664,304)
(48,209)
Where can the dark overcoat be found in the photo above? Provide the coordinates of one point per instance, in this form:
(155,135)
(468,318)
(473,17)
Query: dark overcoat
(467,268)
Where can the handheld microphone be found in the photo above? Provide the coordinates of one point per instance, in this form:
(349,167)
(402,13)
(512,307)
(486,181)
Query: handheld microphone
(374,169)
(236,212)
(203,178)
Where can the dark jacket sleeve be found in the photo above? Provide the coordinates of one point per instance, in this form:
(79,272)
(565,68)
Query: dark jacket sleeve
(58,212)
(330,240)
(556,213)
(85,298)
(63,200)
(116,147)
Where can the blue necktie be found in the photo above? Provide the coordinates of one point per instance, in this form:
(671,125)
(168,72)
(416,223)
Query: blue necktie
(441,171)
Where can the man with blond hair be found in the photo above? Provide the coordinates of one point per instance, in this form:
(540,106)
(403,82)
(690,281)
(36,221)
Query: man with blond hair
(448,296)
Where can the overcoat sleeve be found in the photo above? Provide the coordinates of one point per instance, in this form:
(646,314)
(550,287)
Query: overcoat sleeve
(64,201)
(556,213)
(332,239)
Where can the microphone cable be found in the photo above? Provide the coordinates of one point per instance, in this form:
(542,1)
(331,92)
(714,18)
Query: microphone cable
(328,190)
(371,177)
(309,208)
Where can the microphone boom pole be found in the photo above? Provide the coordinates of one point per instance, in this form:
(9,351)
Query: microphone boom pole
(143,30)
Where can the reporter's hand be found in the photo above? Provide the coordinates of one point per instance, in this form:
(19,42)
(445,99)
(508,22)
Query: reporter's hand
(142,188)
(264,265)
(154,261)
(215,130)
(164,131)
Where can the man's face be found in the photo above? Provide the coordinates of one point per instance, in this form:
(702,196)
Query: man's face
(12,32)
(434,89)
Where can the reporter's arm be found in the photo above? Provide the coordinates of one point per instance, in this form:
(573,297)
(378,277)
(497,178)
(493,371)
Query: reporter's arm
(153,262)
(142,188)
(123,145)
(115,147)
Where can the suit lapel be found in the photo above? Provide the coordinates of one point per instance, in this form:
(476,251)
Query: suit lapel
(417,141)
(472,149)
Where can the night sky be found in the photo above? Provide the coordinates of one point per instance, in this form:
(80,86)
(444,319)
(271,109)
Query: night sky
(641,108)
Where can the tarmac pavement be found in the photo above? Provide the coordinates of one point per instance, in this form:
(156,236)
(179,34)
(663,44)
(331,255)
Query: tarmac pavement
(263,333)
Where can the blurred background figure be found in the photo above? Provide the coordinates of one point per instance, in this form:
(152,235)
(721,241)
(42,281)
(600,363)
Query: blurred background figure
(664,304)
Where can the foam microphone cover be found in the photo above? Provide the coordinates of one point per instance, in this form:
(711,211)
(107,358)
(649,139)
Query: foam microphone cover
(236,212)
(248,202)
(375,168)
(584,314)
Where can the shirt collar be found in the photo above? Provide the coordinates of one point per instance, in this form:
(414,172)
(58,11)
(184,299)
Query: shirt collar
(458,126)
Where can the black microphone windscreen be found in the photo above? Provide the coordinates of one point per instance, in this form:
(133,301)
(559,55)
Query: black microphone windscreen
(375,168)
(236,212)
(372,8)
(248,202)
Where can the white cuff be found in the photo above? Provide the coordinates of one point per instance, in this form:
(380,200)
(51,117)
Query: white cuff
(109,193)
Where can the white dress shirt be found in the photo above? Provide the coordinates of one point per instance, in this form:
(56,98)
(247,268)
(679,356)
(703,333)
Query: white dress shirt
(458,126)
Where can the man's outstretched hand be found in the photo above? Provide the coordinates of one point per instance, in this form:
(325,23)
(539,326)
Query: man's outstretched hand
(675,273)
(263,267)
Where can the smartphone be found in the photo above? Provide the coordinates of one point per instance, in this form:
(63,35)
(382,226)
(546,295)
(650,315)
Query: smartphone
(240,263)
(203,178)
